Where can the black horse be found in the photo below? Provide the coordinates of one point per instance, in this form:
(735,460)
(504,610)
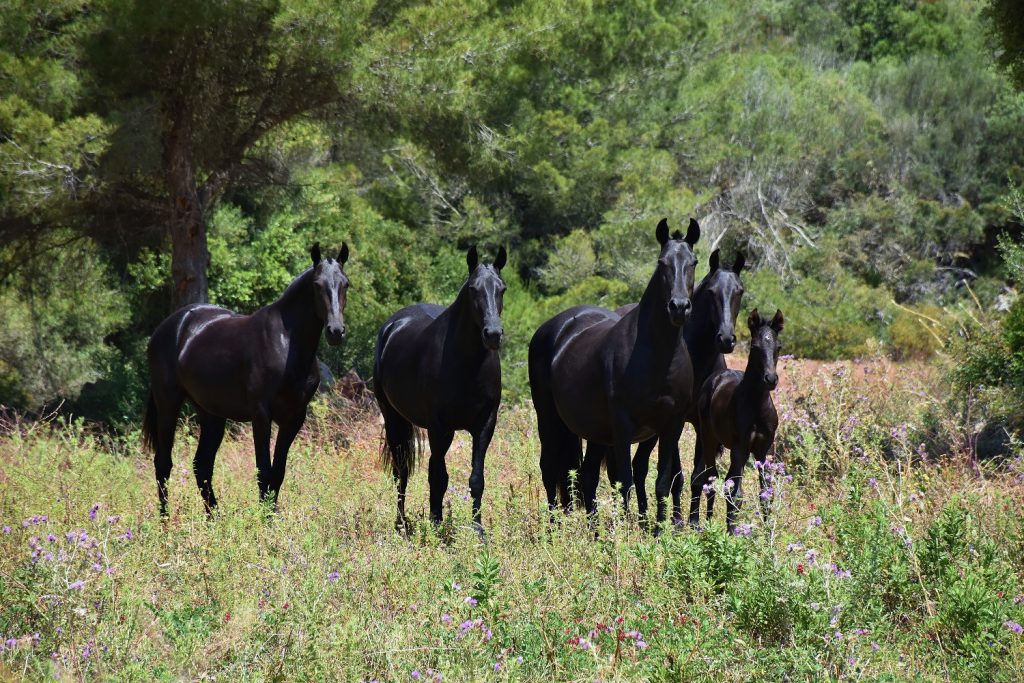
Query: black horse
(736,411)
(709,333)
(438,368)
(615,380)
(258,368)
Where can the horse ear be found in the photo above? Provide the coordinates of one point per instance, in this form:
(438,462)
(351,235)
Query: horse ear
(713,262)
(499,262)
(778,321)
(314,253)
(693,232)
(472,258)
(343,254)
(738,265)
(754,321)
(662,232)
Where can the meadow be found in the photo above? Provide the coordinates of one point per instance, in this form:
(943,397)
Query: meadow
(891,554)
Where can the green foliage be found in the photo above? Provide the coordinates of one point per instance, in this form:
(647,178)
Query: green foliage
(55,320)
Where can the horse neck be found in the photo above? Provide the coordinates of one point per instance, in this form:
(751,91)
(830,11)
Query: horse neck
(295,308)
(461,331)
(700,340)
(653,323)
(750,387)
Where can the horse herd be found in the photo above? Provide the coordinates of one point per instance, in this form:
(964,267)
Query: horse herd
(611,378)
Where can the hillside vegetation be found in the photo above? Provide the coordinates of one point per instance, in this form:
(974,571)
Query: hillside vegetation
(862,154)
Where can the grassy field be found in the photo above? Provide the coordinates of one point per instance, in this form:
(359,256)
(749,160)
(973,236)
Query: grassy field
(890,555)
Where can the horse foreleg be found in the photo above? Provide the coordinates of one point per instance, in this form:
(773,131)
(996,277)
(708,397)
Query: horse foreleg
(622,442)
(210,436)
(641,465)
(286,434)
(261,442)
(734,491)
(668,448)
(437,476)
(590,474)
(481,440)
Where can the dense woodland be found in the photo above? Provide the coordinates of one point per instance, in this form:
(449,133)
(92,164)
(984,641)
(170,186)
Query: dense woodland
(865,156)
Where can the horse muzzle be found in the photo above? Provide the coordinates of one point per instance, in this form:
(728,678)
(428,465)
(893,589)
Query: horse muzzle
(678,311)
(492,337)
(726,343)
(771,380)
(335,334)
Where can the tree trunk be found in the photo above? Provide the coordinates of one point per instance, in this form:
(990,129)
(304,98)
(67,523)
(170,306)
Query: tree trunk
(190,257)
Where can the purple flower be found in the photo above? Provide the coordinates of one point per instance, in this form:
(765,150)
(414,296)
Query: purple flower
(415,675)
(743,530)
(6,529)
(767,493)
(333,576)
(51,538)
(793,547)
(113,519)
(446,619)
(11,643)
(811,556)
(456,586)
(1014,626)
(519,659)
(127,535)
(816,521)
(874,645)
(93,510)
(840,573)
(497,666)
(873,483)
(584,644)
(77,585)
(470,600)
(96,567)
(641,645)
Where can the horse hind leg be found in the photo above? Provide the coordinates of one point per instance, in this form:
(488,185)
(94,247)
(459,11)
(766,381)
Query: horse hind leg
(160,421)
(437,476)
(210,436)
(641,466)
(400,452)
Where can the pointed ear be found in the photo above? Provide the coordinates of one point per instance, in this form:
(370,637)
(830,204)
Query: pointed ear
(738,265)
(713,262)
(693,232)
(314,253)
(778,321)
(754,321)
(662,231)
(472,258)
(343,254)
(502,258)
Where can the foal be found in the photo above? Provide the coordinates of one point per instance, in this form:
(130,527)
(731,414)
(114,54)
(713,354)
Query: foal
(736,410)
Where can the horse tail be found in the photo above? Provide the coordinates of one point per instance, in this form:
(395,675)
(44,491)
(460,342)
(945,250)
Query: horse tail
(149,423)
(400,446)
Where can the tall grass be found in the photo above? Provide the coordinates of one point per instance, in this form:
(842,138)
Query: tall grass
(883,559)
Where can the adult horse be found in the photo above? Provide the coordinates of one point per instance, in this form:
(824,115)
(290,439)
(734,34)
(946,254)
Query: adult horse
(258,368)
(615,380)
(438,368)
(710,333)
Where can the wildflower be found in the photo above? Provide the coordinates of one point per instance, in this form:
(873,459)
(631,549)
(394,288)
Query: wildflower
(1019,599)
(743,530)
(793,547)
(96,567)
(51,538)
(127,535)
(729,485)
(1014,626)
(641,645)
(77,585)
(839,635)
(840,573)
(519,659)
(497,667)
(800,568)
(113,519)
(470,600)
(6,529)
(11,643)
(415,675)
(93,510)
(110,571)
(437,677)
(767,493)
(456,586)
(815,521)
(446,619)
(814,606)
(333,576)
(873,483)
(874,645)
(584,644)
(87,650)
(812,556)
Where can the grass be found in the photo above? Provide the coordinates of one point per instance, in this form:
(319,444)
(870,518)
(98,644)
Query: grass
(884,559)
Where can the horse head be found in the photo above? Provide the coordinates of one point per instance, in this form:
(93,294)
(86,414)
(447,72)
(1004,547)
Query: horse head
(716,301)
(486,293)
(764,348)
(674,272)
(330,292)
